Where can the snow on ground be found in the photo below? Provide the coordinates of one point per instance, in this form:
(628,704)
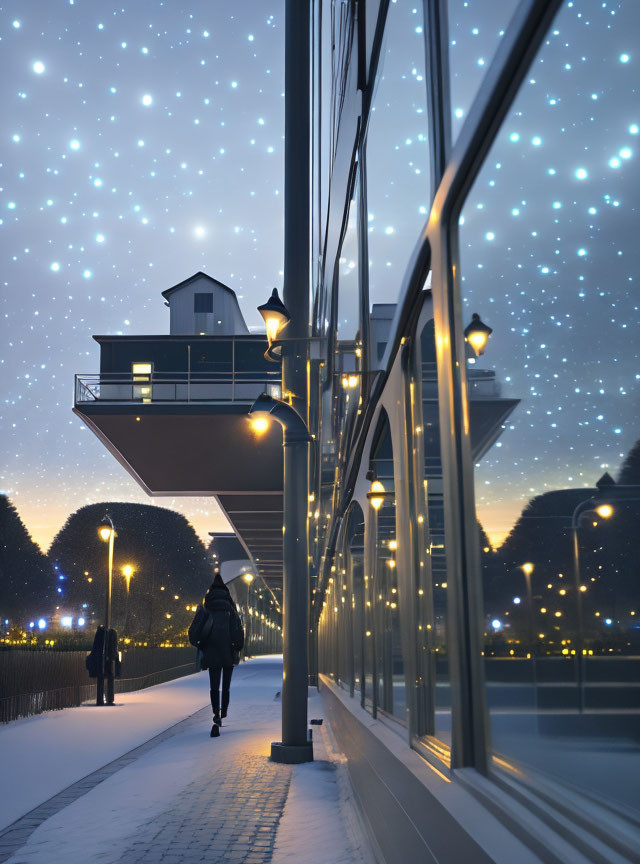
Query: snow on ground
(100,825)
(42,755)
(320,822)
(318,825)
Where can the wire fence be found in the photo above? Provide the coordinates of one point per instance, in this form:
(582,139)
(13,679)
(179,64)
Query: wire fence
(26,677)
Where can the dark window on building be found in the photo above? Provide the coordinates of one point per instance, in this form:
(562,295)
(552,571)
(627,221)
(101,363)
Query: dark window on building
(203,302)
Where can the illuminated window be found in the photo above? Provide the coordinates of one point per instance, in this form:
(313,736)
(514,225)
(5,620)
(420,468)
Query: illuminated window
(142,373)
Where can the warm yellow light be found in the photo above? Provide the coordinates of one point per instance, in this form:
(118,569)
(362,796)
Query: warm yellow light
(104,533)
(259,424)
(353,381)
(562,591)
(127,571)
(393,544)
(391,563)
(527,568)
(376,501)
(478,341)
(273,325)
(248,578)
(141,368)
(604,511)
(583,588)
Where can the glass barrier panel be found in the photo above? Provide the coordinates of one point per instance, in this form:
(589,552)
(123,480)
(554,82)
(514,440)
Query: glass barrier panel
(550,262)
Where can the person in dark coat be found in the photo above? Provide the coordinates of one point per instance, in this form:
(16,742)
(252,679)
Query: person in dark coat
(103,663)
(223,644)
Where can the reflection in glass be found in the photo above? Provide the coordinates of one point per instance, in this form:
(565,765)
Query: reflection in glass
(397,156)
(475,31)
(550,260)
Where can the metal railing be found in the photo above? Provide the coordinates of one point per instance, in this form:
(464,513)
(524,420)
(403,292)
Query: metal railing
(160,387)
(74,695)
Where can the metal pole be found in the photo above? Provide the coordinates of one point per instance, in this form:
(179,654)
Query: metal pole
(532,647)
(295,547)
(295,746)
(579,635)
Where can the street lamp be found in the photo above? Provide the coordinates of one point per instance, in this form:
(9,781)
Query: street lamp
(276,317)
(605,511)
(248,578)
(477,333)
(127,572)
(107,534)
(295,746)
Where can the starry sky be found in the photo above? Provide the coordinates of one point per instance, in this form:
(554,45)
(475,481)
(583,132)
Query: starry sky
(143,142)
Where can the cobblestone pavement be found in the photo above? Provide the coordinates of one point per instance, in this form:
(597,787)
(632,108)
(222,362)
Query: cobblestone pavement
(232,820)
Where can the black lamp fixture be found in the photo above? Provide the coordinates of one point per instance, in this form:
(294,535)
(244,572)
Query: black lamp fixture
(276,317)
(477,334)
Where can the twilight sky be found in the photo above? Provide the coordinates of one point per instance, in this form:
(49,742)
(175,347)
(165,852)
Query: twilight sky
(143,142)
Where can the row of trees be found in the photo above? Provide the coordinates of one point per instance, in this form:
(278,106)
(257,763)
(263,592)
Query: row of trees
(171,568)
(609,554)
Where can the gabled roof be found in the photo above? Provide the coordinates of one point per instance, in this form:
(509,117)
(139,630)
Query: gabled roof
(191,279)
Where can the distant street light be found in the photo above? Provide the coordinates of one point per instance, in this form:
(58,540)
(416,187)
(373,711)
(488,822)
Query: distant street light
(605,486)
(107,533)
(127,572)
(477,334)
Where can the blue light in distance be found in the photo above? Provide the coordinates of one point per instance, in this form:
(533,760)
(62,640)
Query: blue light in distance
(496,624)
(41,623)
(67,621)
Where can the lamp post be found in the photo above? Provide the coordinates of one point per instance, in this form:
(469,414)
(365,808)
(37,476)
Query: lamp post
(295,746)
(127,572)
(107,533)
(248,578)
(605,511)
(528,568)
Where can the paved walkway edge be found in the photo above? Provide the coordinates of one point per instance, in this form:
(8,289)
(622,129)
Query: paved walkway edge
(14,836)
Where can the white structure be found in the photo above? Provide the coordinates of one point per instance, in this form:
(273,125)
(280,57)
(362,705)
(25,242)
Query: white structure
(202,306)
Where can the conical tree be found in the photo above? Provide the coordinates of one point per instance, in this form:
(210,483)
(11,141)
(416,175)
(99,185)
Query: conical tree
(170,567)
(25,580)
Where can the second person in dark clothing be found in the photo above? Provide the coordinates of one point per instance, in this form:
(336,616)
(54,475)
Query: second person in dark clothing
(222,647)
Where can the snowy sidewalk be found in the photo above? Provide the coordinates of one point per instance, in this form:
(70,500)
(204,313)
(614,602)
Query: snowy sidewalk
(181,797)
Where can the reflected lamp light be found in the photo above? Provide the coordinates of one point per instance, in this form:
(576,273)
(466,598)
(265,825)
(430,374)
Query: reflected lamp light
(477,333)
(376,494)
(605,511)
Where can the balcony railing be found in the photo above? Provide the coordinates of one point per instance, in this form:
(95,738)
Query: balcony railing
(171,387)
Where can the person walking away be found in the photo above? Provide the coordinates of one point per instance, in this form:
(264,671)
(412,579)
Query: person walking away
(221,650)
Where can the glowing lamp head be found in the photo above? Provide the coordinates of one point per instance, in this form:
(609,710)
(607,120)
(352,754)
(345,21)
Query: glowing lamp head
(527,568)
(275,314)
(248,578)
(260,423)
(477,334)
(376,494)
(605,511)
(127,571)
(104,533)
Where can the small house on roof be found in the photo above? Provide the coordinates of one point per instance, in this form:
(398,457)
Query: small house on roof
(203,306)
